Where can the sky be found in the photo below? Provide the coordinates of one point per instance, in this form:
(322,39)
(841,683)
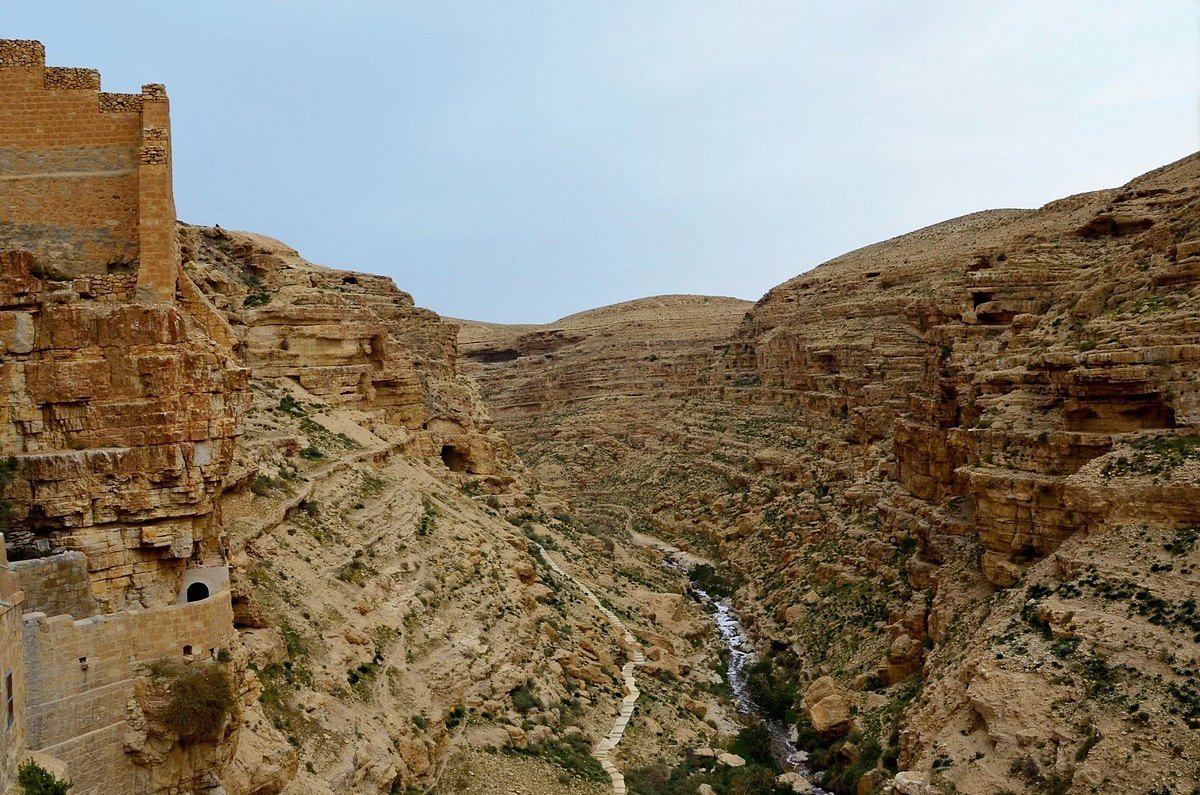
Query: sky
(521,161)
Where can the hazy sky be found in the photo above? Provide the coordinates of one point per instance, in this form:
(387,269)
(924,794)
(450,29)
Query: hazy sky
(519,161)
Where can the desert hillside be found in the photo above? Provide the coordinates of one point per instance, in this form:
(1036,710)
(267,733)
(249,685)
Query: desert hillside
(395,567)
(954,471)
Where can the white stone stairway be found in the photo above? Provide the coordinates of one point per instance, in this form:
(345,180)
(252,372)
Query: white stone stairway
(606,748)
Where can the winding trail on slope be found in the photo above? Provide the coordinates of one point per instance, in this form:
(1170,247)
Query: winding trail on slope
(606,748)
(643,540)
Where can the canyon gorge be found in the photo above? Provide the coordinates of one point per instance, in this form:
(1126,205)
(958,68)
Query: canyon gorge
(272,528)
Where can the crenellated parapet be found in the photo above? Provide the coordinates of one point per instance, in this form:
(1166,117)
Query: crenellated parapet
(85,175)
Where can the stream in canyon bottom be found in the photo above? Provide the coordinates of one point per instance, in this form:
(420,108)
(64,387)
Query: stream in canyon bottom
(741,658)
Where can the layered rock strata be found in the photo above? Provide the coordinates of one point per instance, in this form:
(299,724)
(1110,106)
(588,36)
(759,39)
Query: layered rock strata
(384,542)
(888,439)
(122,419)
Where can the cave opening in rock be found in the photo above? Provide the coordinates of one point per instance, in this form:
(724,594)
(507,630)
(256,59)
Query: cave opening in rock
(197,592)
(454,459)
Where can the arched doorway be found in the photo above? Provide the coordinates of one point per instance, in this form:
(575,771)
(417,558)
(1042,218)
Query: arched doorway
(197,591)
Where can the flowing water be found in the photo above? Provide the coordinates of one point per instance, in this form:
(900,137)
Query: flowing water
(741,658)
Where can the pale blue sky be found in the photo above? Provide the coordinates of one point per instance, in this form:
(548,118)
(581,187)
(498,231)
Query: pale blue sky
(519,161)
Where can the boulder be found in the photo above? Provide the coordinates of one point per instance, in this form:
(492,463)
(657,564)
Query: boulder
(830,715)
(911,782)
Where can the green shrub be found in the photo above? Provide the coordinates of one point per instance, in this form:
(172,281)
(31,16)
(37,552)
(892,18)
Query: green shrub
(37,780)
(428,518)
(262,485)
(256,299)
(706,578)
(772,690)
(289,405)
(524,699)
(753,744)
(198,702)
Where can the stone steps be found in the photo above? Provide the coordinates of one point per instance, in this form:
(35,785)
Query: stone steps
(606,748)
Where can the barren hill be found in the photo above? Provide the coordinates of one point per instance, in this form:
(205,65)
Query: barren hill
(955,470)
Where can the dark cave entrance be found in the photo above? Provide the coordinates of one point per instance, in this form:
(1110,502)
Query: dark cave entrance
(454,459)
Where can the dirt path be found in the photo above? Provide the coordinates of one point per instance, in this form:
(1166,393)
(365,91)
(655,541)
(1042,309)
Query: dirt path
(643,540)
(605,750)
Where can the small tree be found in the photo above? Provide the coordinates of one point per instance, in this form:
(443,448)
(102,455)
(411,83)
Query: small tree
(37,780)
(199,699)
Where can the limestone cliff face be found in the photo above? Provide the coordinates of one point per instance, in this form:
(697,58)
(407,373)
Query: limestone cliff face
(122,418)
(887,440)
(648,349)
(387,579)
(1001,351)
(351,339)
(584,396)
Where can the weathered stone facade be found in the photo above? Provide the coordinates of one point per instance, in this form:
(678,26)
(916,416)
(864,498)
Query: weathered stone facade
(120,404)
(56,585)
(85,176)
(82,677)
(122,418)
(12,674)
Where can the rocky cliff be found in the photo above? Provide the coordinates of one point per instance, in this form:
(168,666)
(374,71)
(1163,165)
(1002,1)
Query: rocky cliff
(398,620)
(123,417)
(390,582)
(269,539)
(953,471)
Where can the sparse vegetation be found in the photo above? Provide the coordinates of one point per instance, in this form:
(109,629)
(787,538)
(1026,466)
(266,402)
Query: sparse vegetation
(289,405)
(428,520)
(707,579)
(199,699)
(372,485)
(37,780)
(357,571)
(256,299)
(1155,455)
(571,753)
(524,698)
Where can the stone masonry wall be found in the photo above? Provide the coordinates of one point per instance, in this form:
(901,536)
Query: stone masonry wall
(81,678)
(85,176)
(12,733)
(56,585)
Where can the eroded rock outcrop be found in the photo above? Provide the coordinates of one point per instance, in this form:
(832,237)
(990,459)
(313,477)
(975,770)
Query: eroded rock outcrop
(350,339)
(122,418)
(385,540)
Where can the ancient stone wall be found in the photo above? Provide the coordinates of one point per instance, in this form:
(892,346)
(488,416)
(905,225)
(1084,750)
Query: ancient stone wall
(12,675)
(82,675)
(85,176)
(55,585)
(122,417)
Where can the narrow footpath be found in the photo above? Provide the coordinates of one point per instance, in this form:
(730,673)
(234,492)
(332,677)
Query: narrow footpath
(605,750)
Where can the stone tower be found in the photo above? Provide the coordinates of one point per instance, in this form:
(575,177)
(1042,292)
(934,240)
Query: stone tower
(85,177)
